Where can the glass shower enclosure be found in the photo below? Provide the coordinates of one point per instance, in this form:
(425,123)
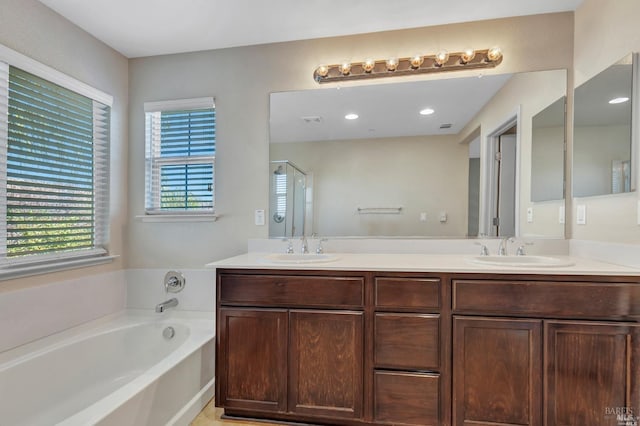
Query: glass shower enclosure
(287,200)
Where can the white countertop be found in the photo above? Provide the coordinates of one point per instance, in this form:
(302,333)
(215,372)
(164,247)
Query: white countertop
(423,263)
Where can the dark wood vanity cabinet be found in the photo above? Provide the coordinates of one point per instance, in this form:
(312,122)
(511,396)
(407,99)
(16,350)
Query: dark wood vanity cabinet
(552,352)
(291,345)
(355,348)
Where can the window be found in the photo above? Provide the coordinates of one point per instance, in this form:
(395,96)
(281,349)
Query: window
(180,161)
(54,165)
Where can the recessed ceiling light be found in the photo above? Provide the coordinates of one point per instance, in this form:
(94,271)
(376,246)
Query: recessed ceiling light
(427,111)
(618,100)
(351,116)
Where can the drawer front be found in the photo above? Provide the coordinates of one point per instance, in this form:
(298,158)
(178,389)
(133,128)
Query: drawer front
(407,341)
(291,290)
(548,299)
(407,398)
(409,293)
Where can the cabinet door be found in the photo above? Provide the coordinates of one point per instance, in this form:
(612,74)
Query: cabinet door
(252,359)
(326,363)
(592,373)
(497,369)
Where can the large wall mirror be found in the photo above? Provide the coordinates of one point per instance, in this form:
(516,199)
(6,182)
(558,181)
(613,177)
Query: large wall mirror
(409,159)
(602,136)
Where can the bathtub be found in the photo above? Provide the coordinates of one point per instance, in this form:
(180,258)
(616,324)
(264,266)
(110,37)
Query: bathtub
(125,369)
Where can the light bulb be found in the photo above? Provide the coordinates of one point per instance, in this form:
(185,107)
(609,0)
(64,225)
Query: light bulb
(427,111)
(368,65)
(345,68)
(322,70)
(467,56)
(416,61)
(494,54)
(441,58)
(351,116)
(392,64)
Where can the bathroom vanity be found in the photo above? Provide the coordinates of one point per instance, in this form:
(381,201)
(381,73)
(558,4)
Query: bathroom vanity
(390,342)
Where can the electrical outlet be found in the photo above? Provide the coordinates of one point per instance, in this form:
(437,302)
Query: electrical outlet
(423,217)
(529,214)
(443,217)
(581,214)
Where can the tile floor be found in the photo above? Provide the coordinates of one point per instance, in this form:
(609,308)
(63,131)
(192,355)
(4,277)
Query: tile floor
(210,416)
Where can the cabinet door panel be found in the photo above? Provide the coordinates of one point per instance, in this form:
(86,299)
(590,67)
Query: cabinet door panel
(403,398)
(592,372)
(407,341)
(253,357)
(497,368)
(326,363)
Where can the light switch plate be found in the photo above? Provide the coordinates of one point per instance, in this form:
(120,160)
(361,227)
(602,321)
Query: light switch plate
(259,217)
(423,217)
(443,217)
(581,214)
(561,214)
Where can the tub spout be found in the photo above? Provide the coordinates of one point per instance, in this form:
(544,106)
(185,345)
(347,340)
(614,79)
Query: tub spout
(161,307)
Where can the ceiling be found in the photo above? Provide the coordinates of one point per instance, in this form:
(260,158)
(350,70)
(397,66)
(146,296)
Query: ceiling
(138,28)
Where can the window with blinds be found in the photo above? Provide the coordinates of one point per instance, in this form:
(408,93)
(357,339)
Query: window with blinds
(180,163)
(54,158)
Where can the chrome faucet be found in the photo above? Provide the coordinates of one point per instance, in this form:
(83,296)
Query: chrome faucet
(304,247)
(171,303)
(502,248)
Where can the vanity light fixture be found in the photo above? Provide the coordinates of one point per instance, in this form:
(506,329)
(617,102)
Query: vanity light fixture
(417,64)
(620,100)
(351,116)
(426,111)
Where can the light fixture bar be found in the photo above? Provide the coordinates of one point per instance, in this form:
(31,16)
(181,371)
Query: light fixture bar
(394,67)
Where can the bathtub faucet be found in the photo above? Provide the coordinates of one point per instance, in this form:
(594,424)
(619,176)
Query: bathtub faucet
(171,303)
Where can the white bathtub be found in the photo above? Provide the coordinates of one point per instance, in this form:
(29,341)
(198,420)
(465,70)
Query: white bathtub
(118,370)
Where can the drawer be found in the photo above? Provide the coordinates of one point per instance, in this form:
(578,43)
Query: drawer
(409,293)
(548,299)
(291,290)
(407,341)
(407,398)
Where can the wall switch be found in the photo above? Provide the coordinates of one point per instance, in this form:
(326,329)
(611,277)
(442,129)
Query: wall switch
(443,217)
(581,214)
(423,217)
(259,217)
(561,214)
(529,214)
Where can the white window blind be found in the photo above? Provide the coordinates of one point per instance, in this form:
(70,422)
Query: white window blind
(54,159)
(180,161)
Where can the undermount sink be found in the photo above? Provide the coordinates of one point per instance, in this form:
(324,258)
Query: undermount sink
(523,261)
(300,258)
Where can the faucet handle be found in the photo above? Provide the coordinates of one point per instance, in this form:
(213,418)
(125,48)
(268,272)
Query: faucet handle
(484,250)
(319,248)
(520,251)
(304,246)
(289,245)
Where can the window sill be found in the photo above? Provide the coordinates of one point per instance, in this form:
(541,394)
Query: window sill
(178,217)
(20,271)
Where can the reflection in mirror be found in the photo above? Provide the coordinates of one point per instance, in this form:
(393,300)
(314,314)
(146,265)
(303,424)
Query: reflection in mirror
(394,172)
(602,132)
(287,200)
(547,153)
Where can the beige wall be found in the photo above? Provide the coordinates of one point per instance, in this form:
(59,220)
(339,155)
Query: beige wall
(241,80)
(34,30)
(604,33)
(420,174)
